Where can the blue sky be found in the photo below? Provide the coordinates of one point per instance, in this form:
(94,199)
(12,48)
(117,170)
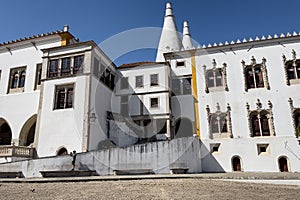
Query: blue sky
(210,20)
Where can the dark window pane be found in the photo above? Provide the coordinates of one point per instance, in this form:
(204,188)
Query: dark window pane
(214,124)
(250,78)
(187,89)
(154,102)
(39,74)
(65,66)
(219,81)
(259,77)
(265,125)
(69,103)
(298,70)
(112,81)
(15,80)
(180,64)
(255,126)
(78,62)
(210,79)
(53,68)
(22,79)
(107,77)
(139,82)
(223,124)
(60,99)
(154,79)
(291,72)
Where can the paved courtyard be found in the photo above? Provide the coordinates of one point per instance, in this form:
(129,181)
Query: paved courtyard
(181,188)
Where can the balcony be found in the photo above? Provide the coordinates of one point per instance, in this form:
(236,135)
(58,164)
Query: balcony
(16,151)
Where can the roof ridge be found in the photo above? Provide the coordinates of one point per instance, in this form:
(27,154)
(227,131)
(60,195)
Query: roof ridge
(250,40)
(33,37)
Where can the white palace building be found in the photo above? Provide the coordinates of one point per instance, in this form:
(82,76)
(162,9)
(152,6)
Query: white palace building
(241,99)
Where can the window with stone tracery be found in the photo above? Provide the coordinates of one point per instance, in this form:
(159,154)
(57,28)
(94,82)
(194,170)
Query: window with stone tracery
(17,79)
(292,69)
(295,117)
(255,74)
(216,78)
(219,123)
(261,120)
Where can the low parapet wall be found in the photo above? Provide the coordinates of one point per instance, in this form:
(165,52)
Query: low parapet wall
(160,157)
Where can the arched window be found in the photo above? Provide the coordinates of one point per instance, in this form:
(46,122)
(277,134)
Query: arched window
(214,124)
(264,125)
(215,78)
(22,78)
(5,134)
(259,77)
(260,124)
(292,69)
(219,123)
(255,74)
(255,125)
(15,80)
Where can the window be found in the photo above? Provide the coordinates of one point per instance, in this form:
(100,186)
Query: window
(154,80)
(182,86)
(255,74)
(180,64)
(124,105)
(254,77)
(263,149)
(17,79)
(261,120)
(260,124)
(154,102)
(216,78)
(124,83)
(38,75)
(53,68)
(219,123)
(139,82)
(78,64)
(96,67)
(292,69)
(215,148)
(66,66)
(0,73)
(64,96)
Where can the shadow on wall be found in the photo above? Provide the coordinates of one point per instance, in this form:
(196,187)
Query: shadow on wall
(209,163)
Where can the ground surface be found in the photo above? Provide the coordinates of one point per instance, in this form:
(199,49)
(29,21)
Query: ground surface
(149,189)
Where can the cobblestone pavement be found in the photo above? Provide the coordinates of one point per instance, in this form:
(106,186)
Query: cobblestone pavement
(181,188)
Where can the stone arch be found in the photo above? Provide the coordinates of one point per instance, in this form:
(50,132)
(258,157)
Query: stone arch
(283,164)
(28,132)
(183,128)
(5,132)
(236,163)
(62,151)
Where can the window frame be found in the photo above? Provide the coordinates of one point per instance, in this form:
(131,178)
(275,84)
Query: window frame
(154,84)
(15,77)
(65,88)
(38,76)
(142,81)
(157,104)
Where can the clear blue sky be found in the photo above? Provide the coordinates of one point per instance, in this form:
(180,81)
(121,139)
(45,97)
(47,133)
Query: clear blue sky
(210,20)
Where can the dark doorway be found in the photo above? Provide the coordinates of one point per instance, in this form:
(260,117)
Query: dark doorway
(283,164)
(236,164)
(5,134)
(183,128)
(62,151)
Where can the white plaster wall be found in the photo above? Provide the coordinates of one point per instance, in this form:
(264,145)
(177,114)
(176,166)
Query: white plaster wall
(101,101)
(17,108)
(145,71)
(62,127)
(243,144)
